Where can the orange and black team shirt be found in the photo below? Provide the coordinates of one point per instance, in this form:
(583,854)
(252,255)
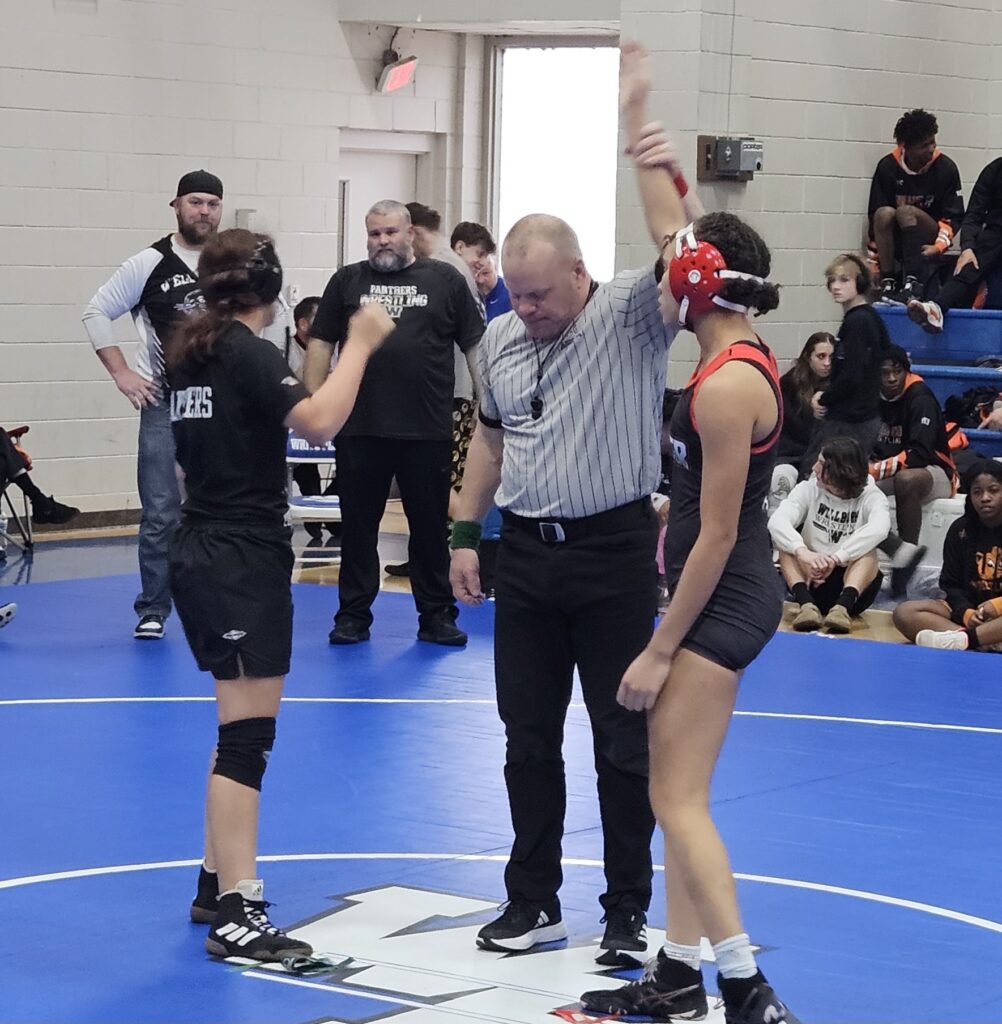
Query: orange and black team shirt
(912,434)
(935,189)
(972,566)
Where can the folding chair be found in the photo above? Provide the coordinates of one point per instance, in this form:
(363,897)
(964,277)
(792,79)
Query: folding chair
(21,520)
(318,508)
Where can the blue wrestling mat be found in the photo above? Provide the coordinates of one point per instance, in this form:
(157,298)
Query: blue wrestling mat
(858,793)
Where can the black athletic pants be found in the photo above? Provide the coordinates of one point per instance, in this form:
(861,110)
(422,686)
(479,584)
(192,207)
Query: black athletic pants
(961,289)
(365,467)
(12,463)
(588,602)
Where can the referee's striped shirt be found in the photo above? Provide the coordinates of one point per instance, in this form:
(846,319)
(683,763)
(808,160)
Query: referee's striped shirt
(597,443)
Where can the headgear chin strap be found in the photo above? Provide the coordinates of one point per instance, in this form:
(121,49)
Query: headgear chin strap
(695,275)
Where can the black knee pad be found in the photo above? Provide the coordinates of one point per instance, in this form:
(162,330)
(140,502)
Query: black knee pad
(243,749)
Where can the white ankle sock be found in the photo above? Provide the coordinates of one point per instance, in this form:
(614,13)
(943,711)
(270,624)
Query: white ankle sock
(689,955)
(735,958)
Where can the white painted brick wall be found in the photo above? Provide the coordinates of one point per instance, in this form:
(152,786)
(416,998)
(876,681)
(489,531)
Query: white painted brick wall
(103,107)
(821,84)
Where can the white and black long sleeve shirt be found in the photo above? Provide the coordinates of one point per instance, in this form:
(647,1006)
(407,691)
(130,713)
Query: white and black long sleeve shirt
(157,286)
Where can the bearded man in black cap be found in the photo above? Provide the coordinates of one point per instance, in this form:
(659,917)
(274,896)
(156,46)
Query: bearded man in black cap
(158,286)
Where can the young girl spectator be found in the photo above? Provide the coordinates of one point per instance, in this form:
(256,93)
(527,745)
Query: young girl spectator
(233,400)
(725,606)
(969,618)
(807,377)
(827,531)
(850,406)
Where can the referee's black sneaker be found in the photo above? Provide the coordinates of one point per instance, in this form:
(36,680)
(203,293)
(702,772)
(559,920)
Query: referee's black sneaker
(242,928)
(346,632)
(625,936)
(752,1001)
(521,926)
(441,629)
(204,907)
(667,990)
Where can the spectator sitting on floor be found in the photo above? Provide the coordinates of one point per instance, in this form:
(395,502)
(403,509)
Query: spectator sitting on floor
(980,251)
(807,377)
(827,531)
(970,615)
(915,207)
(15,468)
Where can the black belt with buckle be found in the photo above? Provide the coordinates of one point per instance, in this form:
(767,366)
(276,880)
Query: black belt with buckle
(559,531)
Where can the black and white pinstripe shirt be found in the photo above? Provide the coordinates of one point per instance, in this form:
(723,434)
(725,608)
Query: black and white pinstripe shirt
(597,442)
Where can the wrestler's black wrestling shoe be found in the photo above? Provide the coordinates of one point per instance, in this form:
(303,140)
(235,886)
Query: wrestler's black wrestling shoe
(667,990)
(242,928)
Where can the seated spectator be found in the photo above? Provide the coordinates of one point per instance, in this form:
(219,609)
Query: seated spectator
(7,612)
(915,207)
(980,251)
(14,468)
(808,376)
(298,342)
(827,531)
(970,615)
(911,458)
(476,246)
(850,405)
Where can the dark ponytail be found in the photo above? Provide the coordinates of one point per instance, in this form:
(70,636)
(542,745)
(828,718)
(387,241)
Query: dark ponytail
(237,271)
(743,249)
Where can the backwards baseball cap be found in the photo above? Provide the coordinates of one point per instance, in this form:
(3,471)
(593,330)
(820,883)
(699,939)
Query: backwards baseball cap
(199,181)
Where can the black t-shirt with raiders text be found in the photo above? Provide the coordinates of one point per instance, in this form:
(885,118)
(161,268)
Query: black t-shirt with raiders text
(228,416)
(408,385)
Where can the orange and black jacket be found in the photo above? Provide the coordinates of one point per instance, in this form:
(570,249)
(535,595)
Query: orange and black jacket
(972,566)
(912,433)
(934,189)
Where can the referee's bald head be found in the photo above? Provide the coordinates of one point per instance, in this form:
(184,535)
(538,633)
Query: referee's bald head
(541,229)
(545,274)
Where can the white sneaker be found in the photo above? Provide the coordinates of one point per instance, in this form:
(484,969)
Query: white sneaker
(7,612)
(951,640)
(927,315)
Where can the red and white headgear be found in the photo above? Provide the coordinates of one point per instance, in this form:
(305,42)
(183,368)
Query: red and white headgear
(696,275)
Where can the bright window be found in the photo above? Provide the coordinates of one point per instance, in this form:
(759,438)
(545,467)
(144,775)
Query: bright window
(559,136)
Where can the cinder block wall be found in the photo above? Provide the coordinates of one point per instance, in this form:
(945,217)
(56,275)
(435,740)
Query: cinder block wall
(822,85)
(104,103)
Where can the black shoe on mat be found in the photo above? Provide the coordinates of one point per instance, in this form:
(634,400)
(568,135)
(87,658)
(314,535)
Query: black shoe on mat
(521,926)
(242,928)
(668,989)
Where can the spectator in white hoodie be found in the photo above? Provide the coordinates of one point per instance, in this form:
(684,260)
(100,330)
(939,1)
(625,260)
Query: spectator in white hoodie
(827,531)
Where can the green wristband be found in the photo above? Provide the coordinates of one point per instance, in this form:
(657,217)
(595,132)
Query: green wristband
(466,535)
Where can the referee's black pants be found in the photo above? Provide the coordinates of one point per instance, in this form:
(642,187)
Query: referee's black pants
(365,468)
(587,602)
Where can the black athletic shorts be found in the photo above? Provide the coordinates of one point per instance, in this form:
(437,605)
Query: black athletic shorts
(826,593)
(232,589)
(741,615)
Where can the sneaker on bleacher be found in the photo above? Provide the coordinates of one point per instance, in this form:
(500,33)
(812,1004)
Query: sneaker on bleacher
(927,315)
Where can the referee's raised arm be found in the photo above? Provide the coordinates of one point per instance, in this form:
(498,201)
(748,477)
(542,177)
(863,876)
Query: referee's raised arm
(659,177)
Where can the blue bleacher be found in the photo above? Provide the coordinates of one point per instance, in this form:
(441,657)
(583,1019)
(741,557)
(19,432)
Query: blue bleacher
(968,335)
(945,360)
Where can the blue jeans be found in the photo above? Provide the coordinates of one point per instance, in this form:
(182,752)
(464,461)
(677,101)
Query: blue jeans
(161,503)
